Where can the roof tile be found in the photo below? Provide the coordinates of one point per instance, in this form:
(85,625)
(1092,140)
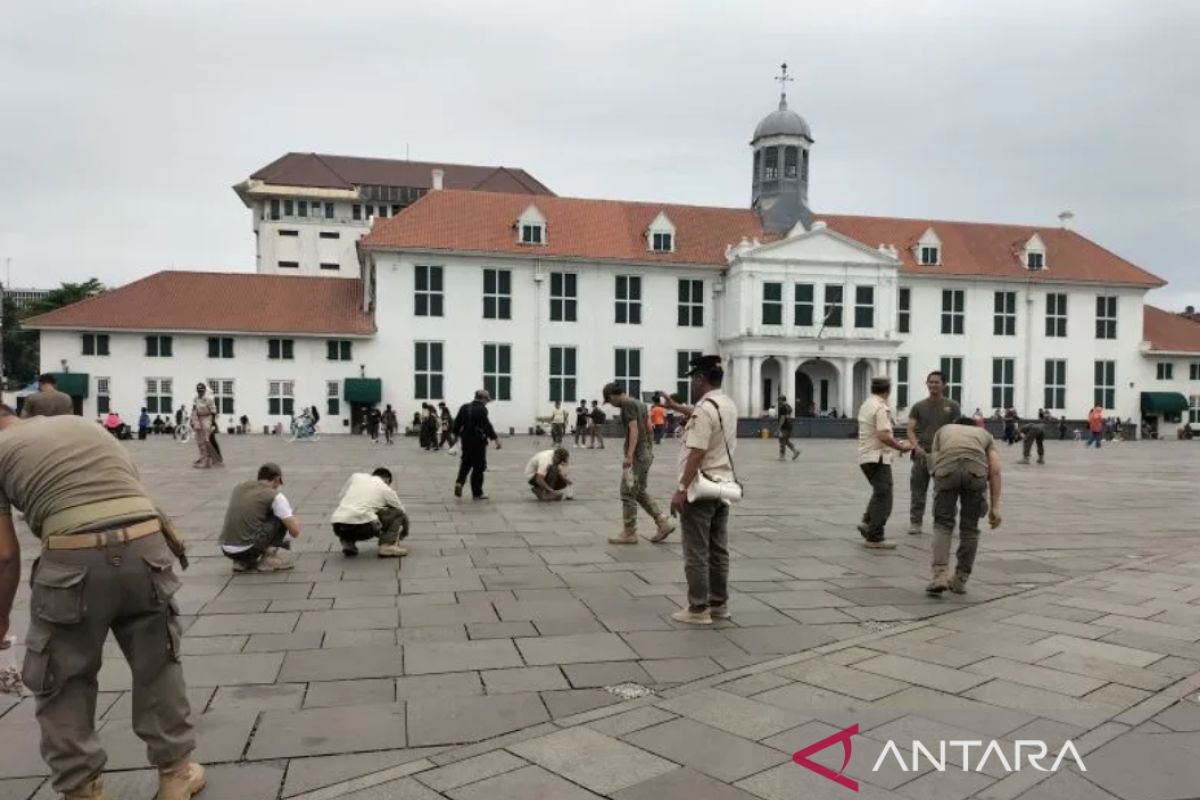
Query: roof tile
(1170,333)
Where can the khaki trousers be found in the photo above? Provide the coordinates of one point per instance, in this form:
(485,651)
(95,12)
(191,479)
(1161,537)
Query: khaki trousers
(958,490)
(78,597)
(636,494)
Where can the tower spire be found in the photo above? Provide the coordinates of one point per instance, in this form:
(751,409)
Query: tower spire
(783,79)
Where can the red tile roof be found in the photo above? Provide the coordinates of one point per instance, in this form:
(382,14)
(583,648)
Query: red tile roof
(616,230)
(222,302)
(346,172)
(593,229)
(1170,333)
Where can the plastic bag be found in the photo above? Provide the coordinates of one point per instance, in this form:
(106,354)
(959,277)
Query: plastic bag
(627,479)
(10,671)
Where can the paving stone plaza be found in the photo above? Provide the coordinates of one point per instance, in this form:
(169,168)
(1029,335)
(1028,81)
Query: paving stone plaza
(515,654)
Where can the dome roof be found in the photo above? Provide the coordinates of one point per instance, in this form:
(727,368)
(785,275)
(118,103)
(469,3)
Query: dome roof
(782,122)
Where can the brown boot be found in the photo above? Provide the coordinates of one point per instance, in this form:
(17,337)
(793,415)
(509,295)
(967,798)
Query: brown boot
(958,584)
(940,582)
(626,537)
(665,527)
(181,782)
(92,790)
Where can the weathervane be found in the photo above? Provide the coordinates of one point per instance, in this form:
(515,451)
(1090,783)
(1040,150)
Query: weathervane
(783,79)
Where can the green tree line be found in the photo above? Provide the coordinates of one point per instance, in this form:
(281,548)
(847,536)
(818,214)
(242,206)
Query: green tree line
(20,348)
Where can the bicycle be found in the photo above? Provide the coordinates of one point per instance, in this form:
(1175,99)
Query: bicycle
(303,430)
(183,433)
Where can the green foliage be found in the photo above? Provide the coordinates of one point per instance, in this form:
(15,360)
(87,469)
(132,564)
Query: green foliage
(20,349)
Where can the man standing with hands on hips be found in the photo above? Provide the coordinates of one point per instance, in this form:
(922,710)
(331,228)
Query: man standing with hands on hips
(708,442)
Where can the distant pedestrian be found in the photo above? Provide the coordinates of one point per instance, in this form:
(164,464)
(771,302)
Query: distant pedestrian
(925,419)
(785,429)
(48,401)
(1095,427)
(595,420)
(658,419)
(374,418)
(1033,433)
(1062,428)
(430,422)
(143,425)
(581,422)
(203,422)
(977,418)
(390,423)
(965,462)
(876,441)
(1010,426)
(639,456)
(474,430)
(558,423)
(446,426)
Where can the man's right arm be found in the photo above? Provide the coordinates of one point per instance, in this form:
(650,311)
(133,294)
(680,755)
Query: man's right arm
(10,572)
(918,451)
(994,484)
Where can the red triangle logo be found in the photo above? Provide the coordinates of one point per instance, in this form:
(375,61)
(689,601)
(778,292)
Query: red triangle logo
(843,736)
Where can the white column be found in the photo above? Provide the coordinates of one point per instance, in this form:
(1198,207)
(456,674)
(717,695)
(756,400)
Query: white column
(788,388)
(741,382)
(754,401)
(846,386)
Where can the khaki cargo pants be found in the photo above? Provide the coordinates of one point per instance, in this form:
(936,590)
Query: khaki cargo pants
(958,490)
(78,597)
(637,494)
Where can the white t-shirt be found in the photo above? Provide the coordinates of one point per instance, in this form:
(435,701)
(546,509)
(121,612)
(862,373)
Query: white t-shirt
(280,507)
(362,498)
(558,416)
(539,464)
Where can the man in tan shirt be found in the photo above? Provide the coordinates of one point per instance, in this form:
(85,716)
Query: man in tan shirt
(708,441)
(49,401)
(203,422)
(104,566)
(876,444)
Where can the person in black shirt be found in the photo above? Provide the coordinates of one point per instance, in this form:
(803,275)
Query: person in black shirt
(581,422)
(474,430)
(785,429)
(447,426)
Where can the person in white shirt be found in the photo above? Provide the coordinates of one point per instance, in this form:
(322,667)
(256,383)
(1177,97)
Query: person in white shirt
(369,508)
(259,523)
(876,444)
(558,423)
(547,474)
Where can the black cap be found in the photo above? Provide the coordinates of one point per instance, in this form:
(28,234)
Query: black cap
(705,364)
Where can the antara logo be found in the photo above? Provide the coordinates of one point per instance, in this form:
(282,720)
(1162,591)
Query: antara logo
(1030,751)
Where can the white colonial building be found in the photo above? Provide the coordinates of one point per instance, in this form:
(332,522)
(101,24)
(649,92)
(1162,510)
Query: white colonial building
(541,298)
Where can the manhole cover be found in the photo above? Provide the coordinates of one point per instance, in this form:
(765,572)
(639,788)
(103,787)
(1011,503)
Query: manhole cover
(629,691)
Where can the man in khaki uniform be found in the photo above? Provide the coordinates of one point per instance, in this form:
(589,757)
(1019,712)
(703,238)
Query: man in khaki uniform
(876,443)
(49,401)
(105,565)
(203,421)
(639,455)
(965,462)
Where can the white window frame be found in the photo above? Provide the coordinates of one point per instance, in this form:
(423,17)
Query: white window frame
(104,391)
(952,368)
(1055,394)
(904,310)
(628,369)
(531,228)
(1057,305)
(683,365)
(690,292)
(344,349)
(283,392)
(435,379)
(1104,393)
(500,300)
(662,242)
(954,318)
(333,399)
(564,383)
(158,389)
(435,298)
(1004,313)
(829,306)
(629,307)
(1034,254)
(564,306)
(902,382)
(774,304)
(1106,316)
(1164,371)
(809,305)
(222,351)
(1194,409)
(286,353)
(1004,372)
(222,389)
(868,306)
(498,381)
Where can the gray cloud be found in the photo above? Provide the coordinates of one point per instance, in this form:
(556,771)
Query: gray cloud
(126,123)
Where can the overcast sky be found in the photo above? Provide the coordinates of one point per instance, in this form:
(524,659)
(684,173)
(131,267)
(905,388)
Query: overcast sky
(126,123)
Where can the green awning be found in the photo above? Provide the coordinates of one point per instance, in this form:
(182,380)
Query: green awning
(72,383)
(1163,403)
(362,390)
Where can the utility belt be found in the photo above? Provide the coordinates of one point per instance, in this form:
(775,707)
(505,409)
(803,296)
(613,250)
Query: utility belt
(100,524)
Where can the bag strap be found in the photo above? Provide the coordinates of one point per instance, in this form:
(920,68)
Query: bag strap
(724,438)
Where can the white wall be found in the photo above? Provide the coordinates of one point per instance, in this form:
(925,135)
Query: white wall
(1180,381)
(307,247)
(128,367)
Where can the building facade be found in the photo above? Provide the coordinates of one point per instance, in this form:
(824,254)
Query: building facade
(541,298)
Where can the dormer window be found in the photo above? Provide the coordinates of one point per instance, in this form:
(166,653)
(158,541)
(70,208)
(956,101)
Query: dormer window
(531,227)
(531,234)
(660,236)
(1034,254)
(928,249)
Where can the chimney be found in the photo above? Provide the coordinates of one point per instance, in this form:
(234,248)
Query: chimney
(438,175)
(1066,220)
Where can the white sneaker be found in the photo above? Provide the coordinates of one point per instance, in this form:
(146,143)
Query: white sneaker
(692,617)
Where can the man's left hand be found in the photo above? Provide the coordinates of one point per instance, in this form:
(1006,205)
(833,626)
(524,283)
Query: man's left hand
(498,447)
(678,501)
(627,463)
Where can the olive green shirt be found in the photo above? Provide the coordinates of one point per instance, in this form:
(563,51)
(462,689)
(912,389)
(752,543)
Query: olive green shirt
(635,411)
(249,511)
(930,415)
(961,442)
(48,404)
(50,464)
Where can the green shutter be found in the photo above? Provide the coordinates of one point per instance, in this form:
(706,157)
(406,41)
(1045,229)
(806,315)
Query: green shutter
(72,383)
(362,390)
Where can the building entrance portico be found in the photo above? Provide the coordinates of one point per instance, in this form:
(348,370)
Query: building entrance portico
(815,385)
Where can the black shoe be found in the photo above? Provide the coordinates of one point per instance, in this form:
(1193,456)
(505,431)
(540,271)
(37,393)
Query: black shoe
(480,497)
(286,544)
(349,548)
(458,490)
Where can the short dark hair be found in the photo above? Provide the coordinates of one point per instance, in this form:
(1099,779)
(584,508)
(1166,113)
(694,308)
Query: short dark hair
(611,390)
(561,455)
(382,472)
(965,421)
(713,377)
(270,471)
(941,375)
(47,377)
(881,384)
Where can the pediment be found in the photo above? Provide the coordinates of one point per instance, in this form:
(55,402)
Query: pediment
(820,245)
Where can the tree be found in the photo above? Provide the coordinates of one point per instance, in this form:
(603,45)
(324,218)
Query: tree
(21,352)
